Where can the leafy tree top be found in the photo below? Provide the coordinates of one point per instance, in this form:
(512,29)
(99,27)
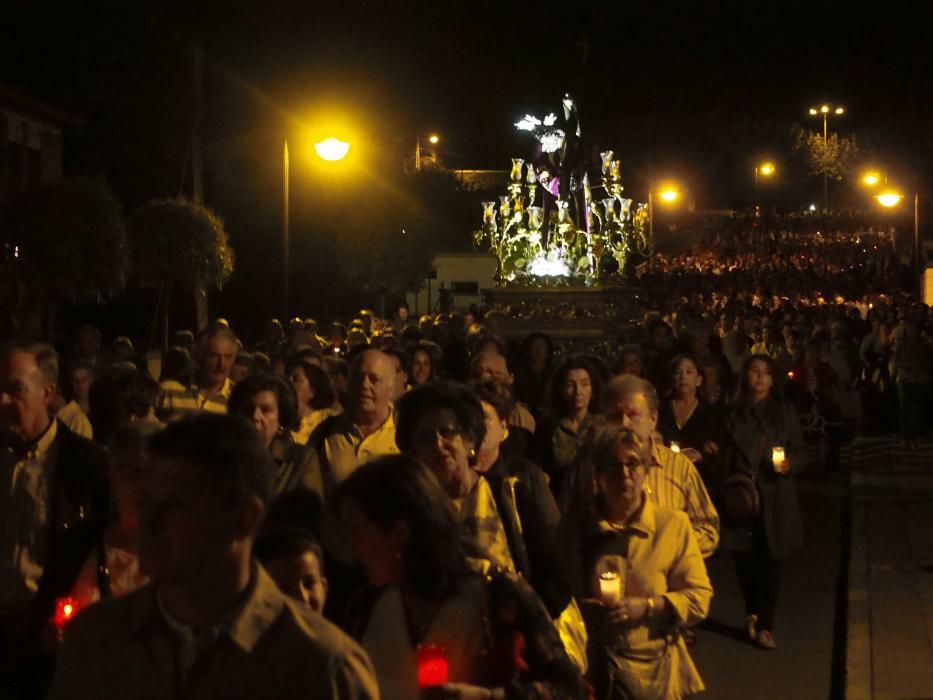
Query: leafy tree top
(834,156)
(177,240)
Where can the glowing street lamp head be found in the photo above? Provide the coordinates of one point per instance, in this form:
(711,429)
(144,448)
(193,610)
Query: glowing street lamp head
(669,195)
(332,149)
(766,169)
(889,199)
(839,110)
(434,138)
(813,111)
(871,179)
(824,109)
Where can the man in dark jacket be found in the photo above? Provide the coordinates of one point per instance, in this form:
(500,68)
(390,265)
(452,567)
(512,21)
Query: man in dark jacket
(53,494)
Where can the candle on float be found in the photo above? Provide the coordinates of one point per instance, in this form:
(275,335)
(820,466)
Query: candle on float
(610,587)
(432,666)
(675,447)
(65,610)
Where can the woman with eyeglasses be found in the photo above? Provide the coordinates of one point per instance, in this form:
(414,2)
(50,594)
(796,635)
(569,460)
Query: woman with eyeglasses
(637,570)
(442,425)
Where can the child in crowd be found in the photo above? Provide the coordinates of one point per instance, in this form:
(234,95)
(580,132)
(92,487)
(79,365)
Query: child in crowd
(295,560)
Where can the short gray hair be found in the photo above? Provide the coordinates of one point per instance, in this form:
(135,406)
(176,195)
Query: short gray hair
(45,355)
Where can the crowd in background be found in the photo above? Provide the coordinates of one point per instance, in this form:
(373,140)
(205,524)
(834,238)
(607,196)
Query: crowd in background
(534,514)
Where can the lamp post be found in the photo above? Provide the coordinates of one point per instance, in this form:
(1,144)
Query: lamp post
(765,169)
(668,195)
(330,149)
(892,199)
(433,139)
(825,110)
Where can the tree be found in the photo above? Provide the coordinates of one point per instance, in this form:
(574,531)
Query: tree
(391,247)
(178,242)
(832,158)
(65,242)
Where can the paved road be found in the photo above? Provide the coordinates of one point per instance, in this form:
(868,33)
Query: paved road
(801,667)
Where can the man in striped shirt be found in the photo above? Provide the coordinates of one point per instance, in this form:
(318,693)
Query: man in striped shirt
(216,357)
(672,479)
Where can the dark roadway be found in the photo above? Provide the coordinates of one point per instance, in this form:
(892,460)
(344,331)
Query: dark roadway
(802,666)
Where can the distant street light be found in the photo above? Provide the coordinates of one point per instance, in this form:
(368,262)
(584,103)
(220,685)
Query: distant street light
(330,149)
(870,179)
(669,194)
(433,139)
(891,199)
(825,110)
(765,169)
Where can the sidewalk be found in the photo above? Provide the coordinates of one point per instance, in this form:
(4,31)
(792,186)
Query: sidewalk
(889,652)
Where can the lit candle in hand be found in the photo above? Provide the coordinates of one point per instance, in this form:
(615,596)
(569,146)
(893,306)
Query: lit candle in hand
(65,610)
(432,666)
(675,447)
(778,459)
(610,587)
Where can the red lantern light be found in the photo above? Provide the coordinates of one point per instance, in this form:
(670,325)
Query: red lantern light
(65,609)
(432,666)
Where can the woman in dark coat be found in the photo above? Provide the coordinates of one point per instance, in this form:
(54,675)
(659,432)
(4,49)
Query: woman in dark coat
(764,441)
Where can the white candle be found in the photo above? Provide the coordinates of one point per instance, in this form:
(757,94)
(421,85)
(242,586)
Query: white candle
(675,447)
(777,458)
(610,587)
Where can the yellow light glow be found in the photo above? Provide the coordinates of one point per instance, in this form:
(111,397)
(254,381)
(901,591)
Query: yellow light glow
(332,148)
(839,110)
(669,195)
(434,138)
(871,179)
(766,169)
(813,111)
(824,109)
(889,199)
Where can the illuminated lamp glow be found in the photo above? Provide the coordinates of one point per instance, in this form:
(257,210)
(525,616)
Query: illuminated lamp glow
(669,195)
(434,138)
(889,199)
(332,149)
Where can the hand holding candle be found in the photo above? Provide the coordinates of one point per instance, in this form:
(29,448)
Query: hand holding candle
(675,447)
(610,587)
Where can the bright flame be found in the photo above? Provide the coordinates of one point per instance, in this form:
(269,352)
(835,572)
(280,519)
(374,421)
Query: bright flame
(434,138)
(332,148)
(889,199)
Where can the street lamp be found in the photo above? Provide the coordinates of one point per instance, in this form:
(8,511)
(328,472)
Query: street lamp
(870,179)
(669,194)
(433,139)
(825,110)
(330,149)
(765,169)
(890,199)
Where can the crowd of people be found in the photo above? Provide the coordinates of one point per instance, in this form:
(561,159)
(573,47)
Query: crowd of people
(430,506)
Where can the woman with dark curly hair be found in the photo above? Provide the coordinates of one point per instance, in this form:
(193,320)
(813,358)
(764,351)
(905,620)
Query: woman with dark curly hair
(442,425)
(316,398)
(574,394)
(269,402)
(488,635)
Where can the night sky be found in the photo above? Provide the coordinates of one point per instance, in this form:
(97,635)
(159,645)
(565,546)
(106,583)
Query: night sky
(701,90)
